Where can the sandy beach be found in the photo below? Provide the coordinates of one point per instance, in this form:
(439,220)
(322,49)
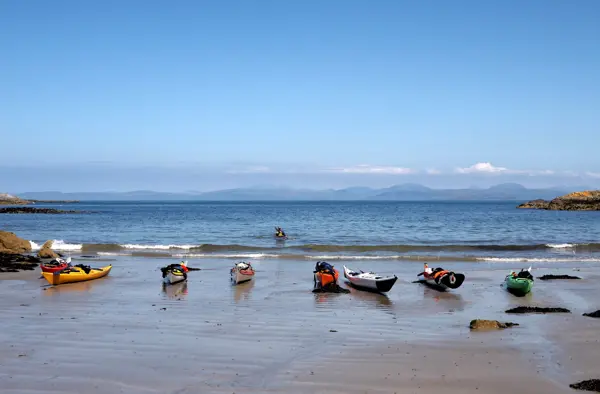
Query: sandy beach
(126,333)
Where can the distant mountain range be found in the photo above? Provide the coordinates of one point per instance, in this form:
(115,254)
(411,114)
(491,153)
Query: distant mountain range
(403,192)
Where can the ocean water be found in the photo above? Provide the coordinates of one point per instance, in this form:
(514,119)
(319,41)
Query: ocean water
(458,231)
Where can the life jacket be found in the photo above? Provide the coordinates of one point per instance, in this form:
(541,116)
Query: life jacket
(325,273)
(439,273)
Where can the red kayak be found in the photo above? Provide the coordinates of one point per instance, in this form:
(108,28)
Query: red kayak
(56,265)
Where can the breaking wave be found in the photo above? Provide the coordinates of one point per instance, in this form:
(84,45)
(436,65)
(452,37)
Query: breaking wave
(491,253)
(316,248)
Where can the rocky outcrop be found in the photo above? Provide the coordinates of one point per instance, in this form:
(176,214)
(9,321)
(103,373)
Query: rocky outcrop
(479,324)
(21,210)
(46,251)
(7,199)
(588,200)
(10,243)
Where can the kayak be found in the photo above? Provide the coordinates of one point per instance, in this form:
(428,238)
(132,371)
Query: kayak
(325,276)
(279,234)
(174,273)
(520,283)
(241,272)
(369,280)
(55,265)
(442,278)
(76,274)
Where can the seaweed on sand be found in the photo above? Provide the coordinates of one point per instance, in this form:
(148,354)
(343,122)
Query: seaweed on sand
(587,385)
(551,277)
(535,309)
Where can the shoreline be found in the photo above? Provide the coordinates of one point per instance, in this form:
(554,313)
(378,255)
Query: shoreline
(128,332)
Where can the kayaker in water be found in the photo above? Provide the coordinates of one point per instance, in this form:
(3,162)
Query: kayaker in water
(279,232)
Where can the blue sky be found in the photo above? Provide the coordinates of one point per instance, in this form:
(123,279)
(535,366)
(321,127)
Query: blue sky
(297,92)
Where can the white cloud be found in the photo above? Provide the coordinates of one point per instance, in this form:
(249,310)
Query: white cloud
(489,168)
(250,170)
(482,168)
(370,169)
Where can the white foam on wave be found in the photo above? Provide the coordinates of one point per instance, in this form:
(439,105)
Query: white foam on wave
(157,247)
(538,260)
(560,246)
(342,257)
(59,244)
(228,256)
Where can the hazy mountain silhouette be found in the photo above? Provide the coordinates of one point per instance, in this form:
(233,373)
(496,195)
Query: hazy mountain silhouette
(402,192)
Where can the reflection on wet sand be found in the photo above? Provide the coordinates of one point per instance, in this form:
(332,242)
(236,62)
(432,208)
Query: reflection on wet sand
(176,290)
(78,287)
(324,299)
(449,299)
(379,300)
(242,291)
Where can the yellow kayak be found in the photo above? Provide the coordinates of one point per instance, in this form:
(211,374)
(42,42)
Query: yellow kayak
(75,274)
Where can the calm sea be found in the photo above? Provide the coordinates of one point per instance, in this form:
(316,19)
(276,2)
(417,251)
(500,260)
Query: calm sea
(462,231)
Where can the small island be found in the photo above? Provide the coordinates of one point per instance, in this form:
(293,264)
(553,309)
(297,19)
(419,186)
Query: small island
(588,200)
(9,199)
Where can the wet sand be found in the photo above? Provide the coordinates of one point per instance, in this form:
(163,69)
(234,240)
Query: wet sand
(126,333)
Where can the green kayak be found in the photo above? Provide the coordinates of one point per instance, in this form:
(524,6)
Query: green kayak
(519,283)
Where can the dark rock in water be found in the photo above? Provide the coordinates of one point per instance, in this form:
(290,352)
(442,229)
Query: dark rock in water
(22,210)
(10,262)
(479,324)
(587,385)
(535,204)
(588,200)
(535,309)
(550,277)
(593,314)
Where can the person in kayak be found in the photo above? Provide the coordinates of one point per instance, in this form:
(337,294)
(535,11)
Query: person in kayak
(183,265)
(324,267)
(433,273)
(428,271)
(279,232)
(180,266)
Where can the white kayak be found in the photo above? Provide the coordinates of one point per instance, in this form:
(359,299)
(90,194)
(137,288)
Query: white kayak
(173,277)
(370,280)
(174,273)
(242,272)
